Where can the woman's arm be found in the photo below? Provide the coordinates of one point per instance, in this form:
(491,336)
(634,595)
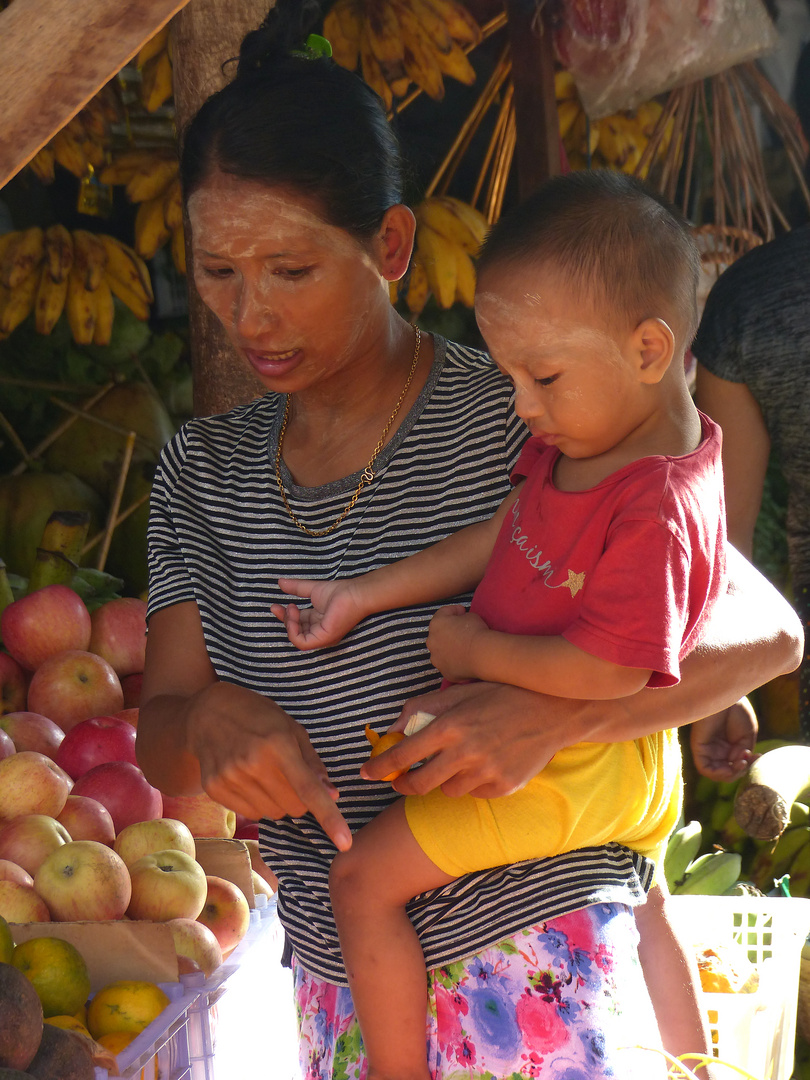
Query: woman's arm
(746,447)
(489,739)
(197,733)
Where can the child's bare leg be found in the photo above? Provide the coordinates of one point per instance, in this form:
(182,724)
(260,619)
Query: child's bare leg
(370,885)
(672,978)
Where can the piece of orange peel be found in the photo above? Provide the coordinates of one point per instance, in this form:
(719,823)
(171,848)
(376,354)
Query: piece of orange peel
(381,743)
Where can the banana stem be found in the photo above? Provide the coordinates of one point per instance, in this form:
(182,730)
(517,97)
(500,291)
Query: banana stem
(468,129)
(15,439)
(41,447)
(116,500)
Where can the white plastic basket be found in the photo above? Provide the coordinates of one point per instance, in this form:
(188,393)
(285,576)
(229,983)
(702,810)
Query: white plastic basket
(756,1032)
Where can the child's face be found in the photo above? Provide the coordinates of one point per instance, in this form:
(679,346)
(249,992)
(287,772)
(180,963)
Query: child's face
(575,382)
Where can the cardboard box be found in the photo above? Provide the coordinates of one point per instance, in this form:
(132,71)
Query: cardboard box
(137,949)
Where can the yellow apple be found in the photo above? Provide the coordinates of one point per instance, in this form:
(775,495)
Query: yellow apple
(160,834)
(166,885)
(84,880)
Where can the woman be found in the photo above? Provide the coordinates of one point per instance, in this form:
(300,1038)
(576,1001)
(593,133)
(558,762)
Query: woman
(374,441)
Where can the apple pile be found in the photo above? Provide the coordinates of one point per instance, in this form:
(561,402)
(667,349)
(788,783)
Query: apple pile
(83,834)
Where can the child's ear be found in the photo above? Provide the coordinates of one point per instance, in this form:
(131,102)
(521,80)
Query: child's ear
(394,241)
(654,343)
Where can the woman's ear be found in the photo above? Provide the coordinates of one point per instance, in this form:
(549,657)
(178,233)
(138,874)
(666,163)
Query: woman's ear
(394,241)
(654,343)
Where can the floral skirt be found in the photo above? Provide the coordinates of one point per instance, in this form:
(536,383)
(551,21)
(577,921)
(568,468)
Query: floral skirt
(563,1000)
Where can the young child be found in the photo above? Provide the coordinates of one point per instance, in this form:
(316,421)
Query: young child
(593,578)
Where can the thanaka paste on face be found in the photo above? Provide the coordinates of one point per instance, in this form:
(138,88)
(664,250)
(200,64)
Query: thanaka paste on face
(256,230)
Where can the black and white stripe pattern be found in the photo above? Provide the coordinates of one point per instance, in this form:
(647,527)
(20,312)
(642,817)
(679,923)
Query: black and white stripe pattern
(220,535)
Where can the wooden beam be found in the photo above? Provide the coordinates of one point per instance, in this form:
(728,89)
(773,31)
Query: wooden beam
(56,56)
(538,142)
(204,35)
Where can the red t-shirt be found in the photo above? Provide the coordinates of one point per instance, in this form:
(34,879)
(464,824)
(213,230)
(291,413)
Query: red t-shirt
(626,571)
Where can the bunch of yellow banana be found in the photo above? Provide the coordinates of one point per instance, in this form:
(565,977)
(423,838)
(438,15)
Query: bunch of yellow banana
(154,61)
(150,179)
(449,233)
(400,42)
(46,272)
(615,142)
(82,145)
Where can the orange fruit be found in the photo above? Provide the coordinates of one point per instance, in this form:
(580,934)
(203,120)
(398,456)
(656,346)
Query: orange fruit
(381,743)
(68,1023)
(127,1005)
(57,971)
(116,1041)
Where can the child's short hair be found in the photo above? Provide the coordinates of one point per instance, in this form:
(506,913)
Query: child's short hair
(606,233)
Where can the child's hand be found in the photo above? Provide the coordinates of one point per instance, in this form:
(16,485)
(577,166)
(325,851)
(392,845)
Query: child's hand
(335,611)
(722,744)
(450,639)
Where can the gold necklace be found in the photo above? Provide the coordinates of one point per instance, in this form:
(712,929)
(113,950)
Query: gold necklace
(367,475)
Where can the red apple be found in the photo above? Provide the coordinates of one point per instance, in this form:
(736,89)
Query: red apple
(131,685)
(7,747)
(195,944)
(167,885)
(74,685)
(33,731)
(94,741)
(84,880)
(31,783)
(203,815)
(43,623)
(13,685)
(130,715)
(226,912)
(123,789)
(86,819)
(119,634)
(160,834)
(10,871)
(22,903)
(28,839)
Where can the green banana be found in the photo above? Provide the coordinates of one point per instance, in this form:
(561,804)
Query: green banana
(683,846)
(774,861)
(710,874)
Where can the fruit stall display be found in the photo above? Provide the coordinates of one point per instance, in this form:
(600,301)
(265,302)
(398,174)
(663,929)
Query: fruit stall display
(96,377)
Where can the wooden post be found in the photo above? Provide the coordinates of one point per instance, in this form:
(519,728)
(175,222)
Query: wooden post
(538,142)
(205,34)
(55,56)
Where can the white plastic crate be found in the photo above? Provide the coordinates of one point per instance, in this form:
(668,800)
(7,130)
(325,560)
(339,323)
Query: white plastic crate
(755,1032)
(194,1036)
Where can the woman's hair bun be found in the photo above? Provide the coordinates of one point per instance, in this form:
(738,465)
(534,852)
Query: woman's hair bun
(284,30)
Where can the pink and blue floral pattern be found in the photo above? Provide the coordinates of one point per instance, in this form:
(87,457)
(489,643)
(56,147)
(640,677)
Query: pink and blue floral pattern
(563,1000)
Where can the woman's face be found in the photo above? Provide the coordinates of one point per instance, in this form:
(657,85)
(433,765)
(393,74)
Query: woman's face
(297,296)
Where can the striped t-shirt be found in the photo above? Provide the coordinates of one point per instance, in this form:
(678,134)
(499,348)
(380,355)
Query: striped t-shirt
(221,536)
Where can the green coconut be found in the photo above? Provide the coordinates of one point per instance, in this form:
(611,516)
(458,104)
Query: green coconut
(95,452)
(26,503)
(127,555)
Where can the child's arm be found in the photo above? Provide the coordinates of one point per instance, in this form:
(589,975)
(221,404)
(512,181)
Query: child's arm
(452,566)
(462,647)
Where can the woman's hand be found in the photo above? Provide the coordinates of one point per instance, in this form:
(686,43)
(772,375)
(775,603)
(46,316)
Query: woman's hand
(487,740)
(335,611)
(197,733)
(257,760)
(451,641)
(723,744)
